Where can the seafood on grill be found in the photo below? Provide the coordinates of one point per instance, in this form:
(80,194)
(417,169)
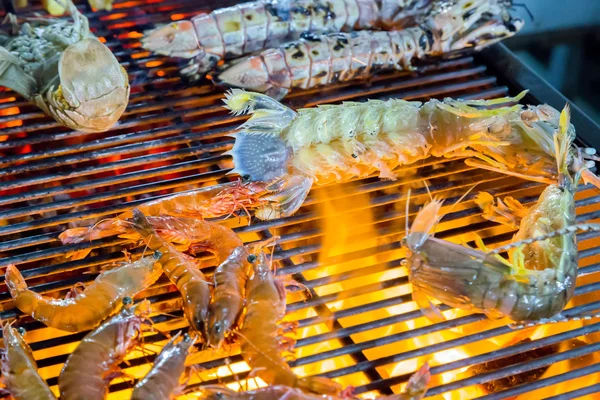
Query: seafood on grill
(85,308)
(62,68)
(88,371)
(316,60)
(416,389)
(182,270)
(260,344)
(19,370)
(231,32)
(163,380)
(208,202)
(332,143)
(537,280)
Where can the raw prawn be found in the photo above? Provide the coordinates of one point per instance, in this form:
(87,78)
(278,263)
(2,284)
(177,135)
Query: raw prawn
(207,202)
(537,280)
(62,68)
(231,32)
(19,369)
(316,60)
(331,143)
(95,362)
(415,390)
(162,382)
(182,270)
(87,309)
(260,346)
(229,282)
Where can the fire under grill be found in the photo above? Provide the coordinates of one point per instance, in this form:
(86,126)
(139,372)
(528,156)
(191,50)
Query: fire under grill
(359,325)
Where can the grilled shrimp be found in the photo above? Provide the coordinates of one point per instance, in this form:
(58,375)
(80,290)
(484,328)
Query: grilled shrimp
(162,382)
(182,270)
(90,307)
(65,70)
(537,280)
(316,60)
(19,369)
(332,143)
(415,390)
(207,202)
(231,32)
(260,346)
(95,362)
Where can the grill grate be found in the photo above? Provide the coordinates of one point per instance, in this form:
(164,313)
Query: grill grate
(360,325)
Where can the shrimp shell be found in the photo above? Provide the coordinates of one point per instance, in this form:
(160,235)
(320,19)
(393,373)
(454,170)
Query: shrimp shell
(88,371)
(231,32)
(162,382)
(19,369)
(89,308)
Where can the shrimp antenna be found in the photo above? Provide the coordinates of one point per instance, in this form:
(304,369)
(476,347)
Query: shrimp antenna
(524,6)
(462,198)
(406,211)
(427,187)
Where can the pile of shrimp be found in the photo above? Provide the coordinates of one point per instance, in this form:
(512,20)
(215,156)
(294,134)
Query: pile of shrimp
(243,303)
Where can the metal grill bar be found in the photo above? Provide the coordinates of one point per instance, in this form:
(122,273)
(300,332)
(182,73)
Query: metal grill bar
(171,139)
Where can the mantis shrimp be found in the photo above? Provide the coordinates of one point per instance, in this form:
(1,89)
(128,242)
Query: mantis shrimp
(65,70)
(537,280)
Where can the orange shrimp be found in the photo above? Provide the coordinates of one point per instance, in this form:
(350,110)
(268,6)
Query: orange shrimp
(207,202)
(95,362)
(90,307)
(415,390)
(162,382)
(260,346)
(19,369)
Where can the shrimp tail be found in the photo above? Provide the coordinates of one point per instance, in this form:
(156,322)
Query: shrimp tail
(417,385)
(141,223)
(14,281)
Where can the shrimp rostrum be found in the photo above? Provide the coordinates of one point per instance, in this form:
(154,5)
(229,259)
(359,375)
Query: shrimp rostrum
(538,278)
(62,68)
(19,369)
(89,307)
(332,143)
(316,60)
(231,32)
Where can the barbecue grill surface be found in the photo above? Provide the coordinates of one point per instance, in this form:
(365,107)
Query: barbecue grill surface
(359,325)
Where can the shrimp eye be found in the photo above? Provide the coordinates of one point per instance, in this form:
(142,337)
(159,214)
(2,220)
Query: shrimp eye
(246,177)
(251,258)
(127,301)
(21,330)
(157,255)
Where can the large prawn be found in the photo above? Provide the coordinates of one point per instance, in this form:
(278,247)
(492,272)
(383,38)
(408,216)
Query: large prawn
(88,308)
(316,60)
(416,389)
(162,381)
(332,143)
(231,32)
(65,70)
(204,203)
(19,369)
(537,280)
(95,362)
(258,336)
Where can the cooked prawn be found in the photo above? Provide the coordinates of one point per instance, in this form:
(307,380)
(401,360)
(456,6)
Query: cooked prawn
(95,362)
(90,307)
(19,369)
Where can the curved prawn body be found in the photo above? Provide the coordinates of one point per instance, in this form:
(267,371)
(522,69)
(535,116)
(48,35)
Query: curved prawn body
(316,60)
(537,280)
(162,382)
(19,369)
(231,32)
(94,304)
(332,143)
(204,203)
(95,362)
(260,346)
(415,390)
(89,89)
(182,271)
